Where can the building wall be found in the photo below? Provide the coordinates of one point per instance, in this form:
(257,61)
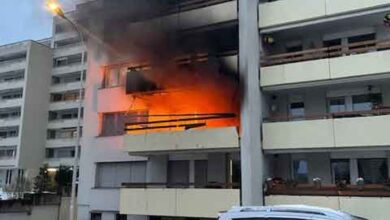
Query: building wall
(37,213)
(36,102)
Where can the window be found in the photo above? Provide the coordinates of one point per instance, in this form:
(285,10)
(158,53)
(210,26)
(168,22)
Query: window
(63,152)
(120,217)
(8,152)
(178,172)
(373,171)
(297,109)
(361,38)
(112,175)
(366,102)
(200,173)
(296,48)
(337,104)
(340,171)
(136,81)
(114,123)
(300,171)
(333,43)
(96,216)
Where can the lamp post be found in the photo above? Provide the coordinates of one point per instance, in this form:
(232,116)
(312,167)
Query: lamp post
(55,7)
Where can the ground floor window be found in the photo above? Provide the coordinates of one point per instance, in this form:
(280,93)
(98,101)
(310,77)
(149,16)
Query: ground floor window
(96,216)
(120,217)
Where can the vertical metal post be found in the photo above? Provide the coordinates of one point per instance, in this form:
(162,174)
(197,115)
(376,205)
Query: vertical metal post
(251,110)
(72,213)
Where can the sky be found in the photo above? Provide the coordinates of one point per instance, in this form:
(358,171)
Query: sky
(26,19)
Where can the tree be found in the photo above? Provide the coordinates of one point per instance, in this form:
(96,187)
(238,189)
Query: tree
(63,178)
(43,182)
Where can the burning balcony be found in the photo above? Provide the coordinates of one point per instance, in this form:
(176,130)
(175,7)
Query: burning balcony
(191,105)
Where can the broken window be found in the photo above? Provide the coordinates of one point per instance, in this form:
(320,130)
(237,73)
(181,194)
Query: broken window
(137,82)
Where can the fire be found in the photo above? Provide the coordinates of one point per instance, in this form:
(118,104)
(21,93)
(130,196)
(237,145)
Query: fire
(197,95)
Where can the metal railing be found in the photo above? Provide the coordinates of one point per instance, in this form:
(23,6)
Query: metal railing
(350,114)
(369,190)
(326,52)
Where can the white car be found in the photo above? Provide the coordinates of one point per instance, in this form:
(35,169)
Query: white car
(285,212)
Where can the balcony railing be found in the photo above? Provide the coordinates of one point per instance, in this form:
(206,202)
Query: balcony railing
(350,114)
(326,52)
(369,190)
(210,185)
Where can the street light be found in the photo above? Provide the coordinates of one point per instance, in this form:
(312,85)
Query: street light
(56,9)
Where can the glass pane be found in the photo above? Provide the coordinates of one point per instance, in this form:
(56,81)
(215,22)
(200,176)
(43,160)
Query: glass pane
(373,171)
(366,102)
(300,171)
(337,105)
(297,109)
(341,171)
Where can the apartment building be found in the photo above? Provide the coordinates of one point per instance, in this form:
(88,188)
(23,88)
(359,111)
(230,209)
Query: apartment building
(325,79)
(24,80)
(323,100)
(69,58)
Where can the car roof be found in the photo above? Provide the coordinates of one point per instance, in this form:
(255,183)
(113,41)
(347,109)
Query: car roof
(295,210)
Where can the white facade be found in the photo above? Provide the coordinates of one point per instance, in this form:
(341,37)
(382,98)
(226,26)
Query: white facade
(324,79)
(24,74)
(69,58)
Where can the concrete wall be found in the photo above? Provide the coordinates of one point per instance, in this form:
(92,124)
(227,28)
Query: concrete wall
(292,10)
(178,202)
(97,149)
(327,133)
(35,109)
(370,208)
(212,138)
(38,213)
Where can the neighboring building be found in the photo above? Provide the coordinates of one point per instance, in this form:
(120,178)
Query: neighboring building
(24,81)
(69,58)
(325,98)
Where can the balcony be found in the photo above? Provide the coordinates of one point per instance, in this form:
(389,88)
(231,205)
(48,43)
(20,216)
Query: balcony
(178,202)
(355,129)
(12,65)
(62,87)
(293,12)
(63,123)
(60,105)
(10,122)
(10,103)
(189,140)
(69,50)
(57,162)
(367,59)
(9,141)
(367,207)
(12,84)
(60,142)
(69,68)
